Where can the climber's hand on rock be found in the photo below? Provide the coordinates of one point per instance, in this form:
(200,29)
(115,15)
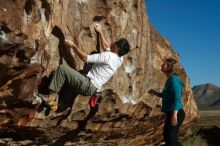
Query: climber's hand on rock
(98,27)
(70,43)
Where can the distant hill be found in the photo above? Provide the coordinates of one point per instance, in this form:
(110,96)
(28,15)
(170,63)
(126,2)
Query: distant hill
(207,95)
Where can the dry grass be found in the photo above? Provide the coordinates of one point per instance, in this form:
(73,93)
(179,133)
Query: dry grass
(194,140)
(205,132)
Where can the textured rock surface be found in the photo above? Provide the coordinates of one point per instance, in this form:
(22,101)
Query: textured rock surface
(32,46)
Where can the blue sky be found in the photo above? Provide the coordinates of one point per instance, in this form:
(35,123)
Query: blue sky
(193,29)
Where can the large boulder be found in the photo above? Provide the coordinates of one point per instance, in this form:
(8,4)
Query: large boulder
(32,46)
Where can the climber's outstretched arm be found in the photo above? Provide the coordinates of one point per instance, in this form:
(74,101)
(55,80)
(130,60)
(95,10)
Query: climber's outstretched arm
(82,55)
(104,43)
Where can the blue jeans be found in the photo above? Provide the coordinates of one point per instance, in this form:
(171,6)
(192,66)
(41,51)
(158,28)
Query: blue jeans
(171,132)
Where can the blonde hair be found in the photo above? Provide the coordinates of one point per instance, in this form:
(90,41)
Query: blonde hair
(173,66)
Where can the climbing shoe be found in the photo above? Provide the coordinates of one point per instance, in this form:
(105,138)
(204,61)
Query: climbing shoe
(46,101)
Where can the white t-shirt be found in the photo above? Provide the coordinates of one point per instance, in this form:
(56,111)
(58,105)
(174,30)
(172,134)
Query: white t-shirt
(105,65)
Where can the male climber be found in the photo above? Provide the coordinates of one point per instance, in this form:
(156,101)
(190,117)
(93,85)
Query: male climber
(105,64)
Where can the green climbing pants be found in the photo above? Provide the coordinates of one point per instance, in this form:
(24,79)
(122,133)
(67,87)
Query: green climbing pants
(76,80)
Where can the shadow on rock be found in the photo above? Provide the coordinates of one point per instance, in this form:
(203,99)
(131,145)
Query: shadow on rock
(71,135)
(211,135)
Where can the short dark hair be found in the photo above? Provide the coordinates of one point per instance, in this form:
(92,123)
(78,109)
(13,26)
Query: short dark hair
(123,45)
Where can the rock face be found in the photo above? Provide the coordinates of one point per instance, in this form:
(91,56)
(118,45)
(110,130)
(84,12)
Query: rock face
(207,95)
(32,46)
